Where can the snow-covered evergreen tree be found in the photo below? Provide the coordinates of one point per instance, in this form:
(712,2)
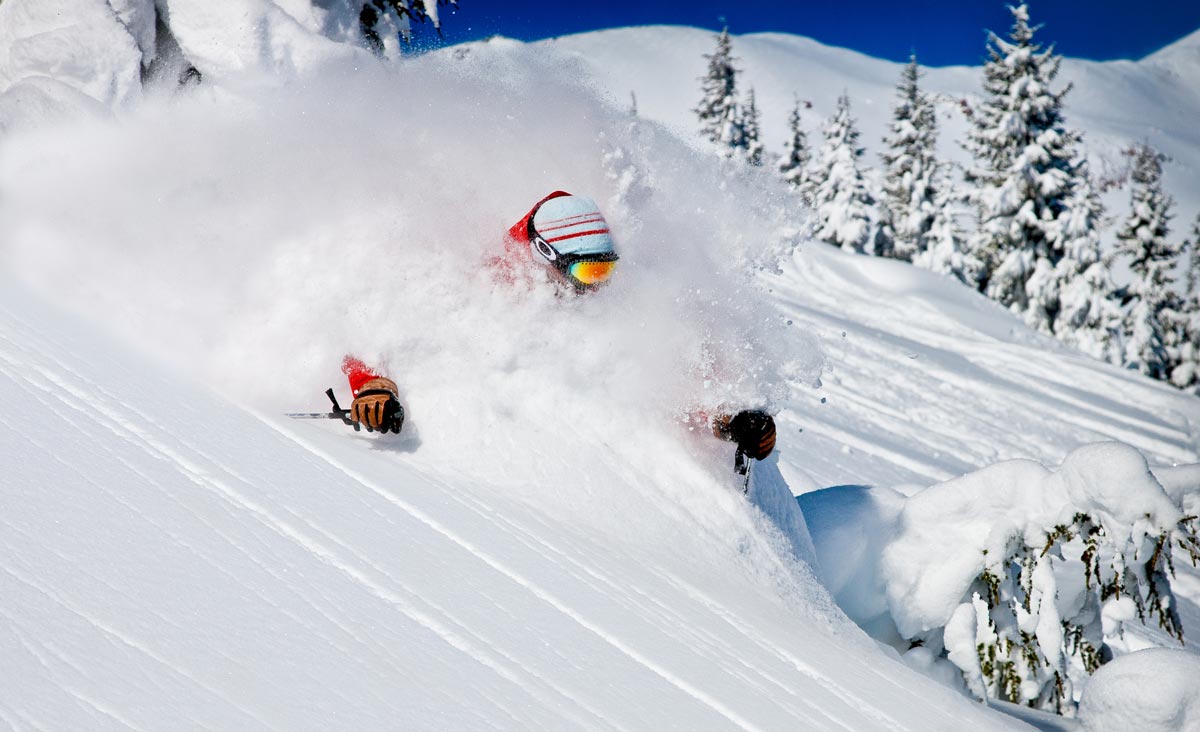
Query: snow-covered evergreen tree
(1023,170)
(381,21)
(718,111)
(1089,317)
(1184,342)
(945,249)
(795,160)
(910,168)
(843,203)
(1143,238)
(752,145)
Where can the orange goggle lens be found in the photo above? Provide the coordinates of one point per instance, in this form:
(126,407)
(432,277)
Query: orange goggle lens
(592,273)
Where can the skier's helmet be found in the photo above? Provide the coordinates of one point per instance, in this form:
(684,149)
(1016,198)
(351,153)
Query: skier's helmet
(569,235)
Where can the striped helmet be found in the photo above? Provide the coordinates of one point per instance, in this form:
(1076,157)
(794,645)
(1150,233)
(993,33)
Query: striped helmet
(569,234)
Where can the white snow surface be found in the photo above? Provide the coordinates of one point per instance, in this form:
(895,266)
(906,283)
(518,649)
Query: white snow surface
(172,561)
(64,57)
(546,546)
(227,39)
(1155,690)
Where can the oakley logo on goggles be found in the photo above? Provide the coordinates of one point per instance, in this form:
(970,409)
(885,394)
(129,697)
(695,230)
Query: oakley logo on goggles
(582,269)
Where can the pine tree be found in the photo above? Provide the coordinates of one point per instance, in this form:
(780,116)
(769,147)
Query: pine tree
(1192,280)
(844,205)
(753,147)
(794,163)
(1023,170)
(1143,238)
(720,118)
(910,169)
(381,21)
(1185,361)
(1089,317)
(945,249)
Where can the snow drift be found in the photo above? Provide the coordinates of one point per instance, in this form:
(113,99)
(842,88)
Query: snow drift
(1153,690)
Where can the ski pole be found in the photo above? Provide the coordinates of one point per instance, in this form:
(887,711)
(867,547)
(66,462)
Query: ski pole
(741,464)
(337,413)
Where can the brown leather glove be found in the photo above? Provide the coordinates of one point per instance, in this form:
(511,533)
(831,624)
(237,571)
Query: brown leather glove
(377,406)
(753,430)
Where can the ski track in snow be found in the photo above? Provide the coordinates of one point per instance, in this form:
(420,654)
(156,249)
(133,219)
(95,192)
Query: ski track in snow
(883,405)
(539,592)
(125,427)
(668,621)
(851,700)
(63,409)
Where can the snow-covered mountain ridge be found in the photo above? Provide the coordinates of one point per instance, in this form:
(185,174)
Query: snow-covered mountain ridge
(1115,103)
(547,546)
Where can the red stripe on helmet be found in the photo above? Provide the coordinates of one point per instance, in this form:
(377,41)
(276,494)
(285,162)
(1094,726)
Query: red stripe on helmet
(575,236)
(594,219)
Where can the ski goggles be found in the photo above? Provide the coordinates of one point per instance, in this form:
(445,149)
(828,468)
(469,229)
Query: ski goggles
(583,270)
(591,272)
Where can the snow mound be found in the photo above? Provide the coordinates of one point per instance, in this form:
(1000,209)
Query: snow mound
(1182,484)
(62,57)
(229,39)
(1155,690)
(850,526)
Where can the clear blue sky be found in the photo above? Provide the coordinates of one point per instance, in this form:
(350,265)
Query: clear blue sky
(942,32)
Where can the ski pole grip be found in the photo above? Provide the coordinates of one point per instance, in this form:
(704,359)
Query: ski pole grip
(342,414)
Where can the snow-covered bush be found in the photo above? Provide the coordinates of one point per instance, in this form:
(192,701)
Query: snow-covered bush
(1019,578)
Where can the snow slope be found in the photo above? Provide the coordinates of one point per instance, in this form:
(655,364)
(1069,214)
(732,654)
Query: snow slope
(927,381)
(172,561)
(546,546)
